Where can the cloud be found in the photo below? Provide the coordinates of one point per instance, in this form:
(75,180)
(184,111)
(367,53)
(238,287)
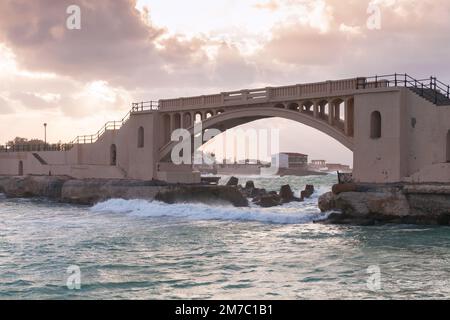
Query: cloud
(114,42)
(411,39)
(271,5)
(5,107)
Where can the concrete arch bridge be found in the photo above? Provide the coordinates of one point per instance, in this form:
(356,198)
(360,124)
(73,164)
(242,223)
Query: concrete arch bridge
(398,128)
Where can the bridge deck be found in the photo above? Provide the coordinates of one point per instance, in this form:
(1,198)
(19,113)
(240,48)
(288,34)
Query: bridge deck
(253,96)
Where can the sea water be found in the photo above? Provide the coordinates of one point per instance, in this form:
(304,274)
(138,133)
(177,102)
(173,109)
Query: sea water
(137,249)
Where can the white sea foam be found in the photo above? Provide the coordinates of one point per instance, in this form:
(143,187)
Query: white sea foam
(294,213)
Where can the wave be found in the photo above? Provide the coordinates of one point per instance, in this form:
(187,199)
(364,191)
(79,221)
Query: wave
(299,213)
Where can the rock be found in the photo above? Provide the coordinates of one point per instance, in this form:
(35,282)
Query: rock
(202,194)
(363,204)
(91,191)
(258,192)
(310,189)
(326,202)
(249,185)
(33,186)
(286,193)
(233,182)
(249,190)
(345,187)
(387,204)
(307,193)
(269,200)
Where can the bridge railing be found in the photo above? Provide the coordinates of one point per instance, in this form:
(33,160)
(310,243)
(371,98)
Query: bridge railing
(422,86)
(260,94)
(144,106)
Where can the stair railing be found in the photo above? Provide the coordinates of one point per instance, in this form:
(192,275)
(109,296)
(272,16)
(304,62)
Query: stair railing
(432,84)
(116,125)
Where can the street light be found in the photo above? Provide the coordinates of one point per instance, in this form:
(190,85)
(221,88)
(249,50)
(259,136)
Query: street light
(45,136)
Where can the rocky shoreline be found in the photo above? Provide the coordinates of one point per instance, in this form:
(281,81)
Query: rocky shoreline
(91,191)
(366,204)
(356,204)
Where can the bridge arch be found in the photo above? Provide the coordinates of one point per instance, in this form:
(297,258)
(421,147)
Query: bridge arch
(187,120)
(294,106)
(234,118)
(307,106)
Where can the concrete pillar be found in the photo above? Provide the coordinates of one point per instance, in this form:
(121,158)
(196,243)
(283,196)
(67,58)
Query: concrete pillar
(330,113)
(316,109)
(348,122)
(182,124)
(337,112)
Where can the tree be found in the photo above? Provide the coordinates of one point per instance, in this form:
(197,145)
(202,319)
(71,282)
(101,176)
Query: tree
(25,141)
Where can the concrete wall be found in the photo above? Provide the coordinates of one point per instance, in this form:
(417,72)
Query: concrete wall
(378,160)
(94,160)
(412,147)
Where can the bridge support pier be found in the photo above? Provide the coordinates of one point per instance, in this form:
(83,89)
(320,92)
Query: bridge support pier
(349,117)
(316,109)
(331,113)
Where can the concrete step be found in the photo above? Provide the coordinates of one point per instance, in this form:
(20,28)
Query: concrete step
(438,99)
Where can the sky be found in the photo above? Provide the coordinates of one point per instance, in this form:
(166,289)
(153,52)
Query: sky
(127,50)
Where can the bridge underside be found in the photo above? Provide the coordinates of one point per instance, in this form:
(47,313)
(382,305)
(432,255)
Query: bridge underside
(316,116)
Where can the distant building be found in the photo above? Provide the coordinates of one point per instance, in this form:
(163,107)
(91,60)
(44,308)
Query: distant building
(290,160)
(338,167)
(318,164)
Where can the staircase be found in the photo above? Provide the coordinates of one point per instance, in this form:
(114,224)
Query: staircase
(434,96)
(116,125)
(39,158)
(431,89)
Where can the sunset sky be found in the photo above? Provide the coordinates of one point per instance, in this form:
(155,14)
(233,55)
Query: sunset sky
(127,50)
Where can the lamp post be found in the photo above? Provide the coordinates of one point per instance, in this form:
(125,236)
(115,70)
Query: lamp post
(45,136)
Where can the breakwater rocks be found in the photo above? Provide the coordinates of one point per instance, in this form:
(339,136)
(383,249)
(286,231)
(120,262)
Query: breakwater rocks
(363,204)
(91,191)
(202,194)
(270,199)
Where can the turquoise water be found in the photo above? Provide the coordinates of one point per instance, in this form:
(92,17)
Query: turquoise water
(143,250)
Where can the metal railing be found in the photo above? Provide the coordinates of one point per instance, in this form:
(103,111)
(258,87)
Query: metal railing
(425,87)
(35,147)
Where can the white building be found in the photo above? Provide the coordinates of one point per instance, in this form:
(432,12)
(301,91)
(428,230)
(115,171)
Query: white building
(286,160)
